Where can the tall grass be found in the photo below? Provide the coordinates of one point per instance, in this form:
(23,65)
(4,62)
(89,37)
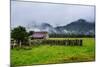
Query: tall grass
(46,54)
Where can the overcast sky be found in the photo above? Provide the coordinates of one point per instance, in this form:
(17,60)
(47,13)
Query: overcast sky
(23,13)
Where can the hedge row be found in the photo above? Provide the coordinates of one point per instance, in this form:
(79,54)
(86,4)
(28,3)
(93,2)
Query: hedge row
(70,35)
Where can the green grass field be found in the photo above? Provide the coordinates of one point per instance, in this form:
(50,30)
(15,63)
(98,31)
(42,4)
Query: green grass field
(46,54)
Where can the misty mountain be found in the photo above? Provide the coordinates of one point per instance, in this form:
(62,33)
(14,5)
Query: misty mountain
(47,27)
(80,26)
(41,27)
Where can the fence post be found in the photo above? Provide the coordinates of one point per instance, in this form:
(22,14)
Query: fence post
(20,43)
(81,42)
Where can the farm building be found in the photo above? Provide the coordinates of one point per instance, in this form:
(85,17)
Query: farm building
(40,35)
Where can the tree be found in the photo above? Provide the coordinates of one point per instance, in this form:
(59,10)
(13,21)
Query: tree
(30,33)
(19,34)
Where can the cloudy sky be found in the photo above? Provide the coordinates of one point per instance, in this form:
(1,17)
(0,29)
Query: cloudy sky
(24,13)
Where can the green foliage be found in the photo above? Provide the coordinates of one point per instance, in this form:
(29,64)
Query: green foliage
(30,33)
(46,54)
(19,33)
(70,35)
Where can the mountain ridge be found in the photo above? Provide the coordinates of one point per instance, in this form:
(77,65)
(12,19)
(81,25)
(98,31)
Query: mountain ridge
(79,26)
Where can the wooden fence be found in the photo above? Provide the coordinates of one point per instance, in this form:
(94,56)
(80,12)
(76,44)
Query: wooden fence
(75,42)
(58,42)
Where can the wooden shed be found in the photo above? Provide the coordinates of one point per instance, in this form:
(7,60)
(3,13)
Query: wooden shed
(40,35)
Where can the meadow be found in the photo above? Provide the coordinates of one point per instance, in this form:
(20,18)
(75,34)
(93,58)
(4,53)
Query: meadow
(47,54)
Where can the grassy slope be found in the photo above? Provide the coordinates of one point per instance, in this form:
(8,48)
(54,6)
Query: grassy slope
(54,54)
